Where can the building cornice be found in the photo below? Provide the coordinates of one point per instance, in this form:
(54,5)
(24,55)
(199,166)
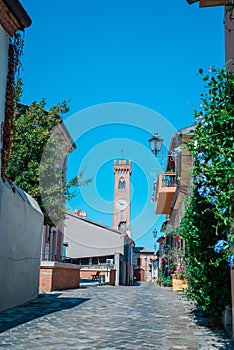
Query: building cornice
(13,16)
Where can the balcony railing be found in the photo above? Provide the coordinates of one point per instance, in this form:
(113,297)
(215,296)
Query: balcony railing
(169,180)
(166,187)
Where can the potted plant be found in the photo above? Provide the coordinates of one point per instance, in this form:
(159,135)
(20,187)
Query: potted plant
(179,279)
(167,281)
(159,281)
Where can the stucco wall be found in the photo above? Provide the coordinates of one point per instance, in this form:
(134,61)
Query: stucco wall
(86,239)
(21,235)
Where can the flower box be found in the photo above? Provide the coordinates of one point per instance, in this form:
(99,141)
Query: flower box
(179,285)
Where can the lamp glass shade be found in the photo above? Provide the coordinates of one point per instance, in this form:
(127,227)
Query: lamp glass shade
(155,143)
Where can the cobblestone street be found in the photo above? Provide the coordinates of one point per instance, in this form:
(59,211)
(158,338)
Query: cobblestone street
(143,316)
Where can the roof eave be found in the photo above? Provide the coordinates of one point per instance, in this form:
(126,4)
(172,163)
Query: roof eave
(19,13)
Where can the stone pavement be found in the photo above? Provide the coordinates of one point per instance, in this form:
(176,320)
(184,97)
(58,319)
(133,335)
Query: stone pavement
(143,316)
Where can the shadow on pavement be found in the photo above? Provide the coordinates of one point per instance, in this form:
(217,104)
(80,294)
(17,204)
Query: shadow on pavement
(45,304)
(214,324)
(204,320)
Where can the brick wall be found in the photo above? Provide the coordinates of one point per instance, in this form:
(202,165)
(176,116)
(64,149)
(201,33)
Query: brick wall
(45,280)
(58,276)
(87,274)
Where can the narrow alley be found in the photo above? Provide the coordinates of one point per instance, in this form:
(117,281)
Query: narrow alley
(143,316)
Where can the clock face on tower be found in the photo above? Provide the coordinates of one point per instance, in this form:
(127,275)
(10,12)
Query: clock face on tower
(121,204)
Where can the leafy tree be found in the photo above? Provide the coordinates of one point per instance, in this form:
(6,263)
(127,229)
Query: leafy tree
(207,217)
(37,154)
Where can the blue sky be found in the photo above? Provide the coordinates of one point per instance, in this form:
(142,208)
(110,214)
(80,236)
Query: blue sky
(129,68)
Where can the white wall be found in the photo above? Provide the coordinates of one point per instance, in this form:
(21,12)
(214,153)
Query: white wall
(4,43)
(21,224)
(87,239)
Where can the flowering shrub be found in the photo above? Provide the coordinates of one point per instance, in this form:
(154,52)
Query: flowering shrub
(180,273)
(220,245)
(205,225)
(231,260)
(226,250)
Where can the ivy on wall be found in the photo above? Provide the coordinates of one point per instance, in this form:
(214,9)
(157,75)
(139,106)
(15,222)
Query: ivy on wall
(14,64)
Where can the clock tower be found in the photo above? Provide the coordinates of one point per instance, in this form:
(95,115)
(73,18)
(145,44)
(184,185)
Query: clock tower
(121,209)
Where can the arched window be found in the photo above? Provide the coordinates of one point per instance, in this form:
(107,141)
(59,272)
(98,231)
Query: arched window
(122,184)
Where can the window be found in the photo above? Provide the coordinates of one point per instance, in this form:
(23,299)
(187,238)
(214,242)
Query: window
(122,184)
(85,261)
(95,261)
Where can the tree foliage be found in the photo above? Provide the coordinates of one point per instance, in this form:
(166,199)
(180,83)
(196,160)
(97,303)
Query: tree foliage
(37,154)
(207,217)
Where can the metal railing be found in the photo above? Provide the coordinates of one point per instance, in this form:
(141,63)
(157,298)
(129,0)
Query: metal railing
(58,258)
(97,266)
(68,260)
(169,180)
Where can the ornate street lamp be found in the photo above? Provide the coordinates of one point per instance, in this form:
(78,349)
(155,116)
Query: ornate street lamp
(156,142)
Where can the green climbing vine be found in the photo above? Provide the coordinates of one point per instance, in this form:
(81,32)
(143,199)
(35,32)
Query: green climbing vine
(206,223)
